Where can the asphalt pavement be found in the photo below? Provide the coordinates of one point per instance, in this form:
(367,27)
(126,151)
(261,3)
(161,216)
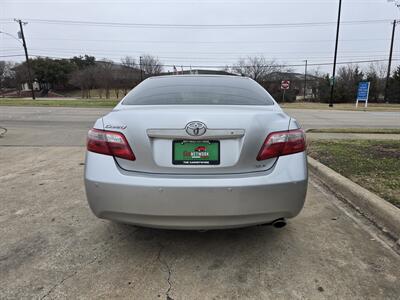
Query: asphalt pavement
(60,126)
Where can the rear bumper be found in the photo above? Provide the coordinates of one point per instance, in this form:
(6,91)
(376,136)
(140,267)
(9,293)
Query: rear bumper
(196,202)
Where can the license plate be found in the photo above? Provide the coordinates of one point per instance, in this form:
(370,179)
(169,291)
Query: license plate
(195,152)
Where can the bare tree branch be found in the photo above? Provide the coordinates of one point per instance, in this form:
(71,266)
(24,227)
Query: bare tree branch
(257,68)
(128,62)
(151,65)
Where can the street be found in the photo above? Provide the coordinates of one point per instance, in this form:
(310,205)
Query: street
(54,247)
(63,126)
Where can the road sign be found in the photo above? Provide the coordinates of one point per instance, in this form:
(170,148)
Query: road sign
(285,84)
(363,92)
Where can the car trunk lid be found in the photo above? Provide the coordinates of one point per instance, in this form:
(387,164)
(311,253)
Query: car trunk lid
(233,133)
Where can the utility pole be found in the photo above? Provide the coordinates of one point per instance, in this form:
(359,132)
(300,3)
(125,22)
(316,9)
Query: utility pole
(141,69)
(390,61)
(335,57)
(30,83)
(305,81)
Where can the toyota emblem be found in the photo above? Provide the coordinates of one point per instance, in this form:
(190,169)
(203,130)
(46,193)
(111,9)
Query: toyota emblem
(196,128)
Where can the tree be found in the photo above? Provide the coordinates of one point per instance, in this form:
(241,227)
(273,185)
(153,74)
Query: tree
(257,68)
(375,74)
(104,76)
(2,69)
(2,74)
(128,62)
(151,65)
(8,76)
(269,74)
(323,88)
(51,72)
(128,75)
(394,87)
(347,82)
(84,79)
(83,62)
(21,75)
(374,90)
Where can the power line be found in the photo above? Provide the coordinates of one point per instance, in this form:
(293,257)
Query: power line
(204,26)
(223,66)
(200,1)
(12,55)
(9,49)
(242,53)
(205,42)
(209,58)
(230,61)
(203,2)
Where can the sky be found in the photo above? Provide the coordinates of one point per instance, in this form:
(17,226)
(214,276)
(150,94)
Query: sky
(203,33)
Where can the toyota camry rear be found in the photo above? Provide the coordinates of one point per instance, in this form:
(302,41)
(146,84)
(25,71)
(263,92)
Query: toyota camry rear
(196,152)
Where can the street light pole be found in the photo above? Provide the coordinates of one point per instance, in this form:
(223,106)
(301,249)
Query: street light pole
(335,57)
(141,69)
(390,61)
(26,57)
(305,81)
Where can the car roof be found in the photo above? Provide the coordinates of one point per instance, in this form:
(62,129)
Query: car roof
(198,76)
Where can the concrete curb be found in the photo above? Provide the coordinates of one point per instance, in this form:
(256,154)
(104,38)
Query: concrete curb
(385,215)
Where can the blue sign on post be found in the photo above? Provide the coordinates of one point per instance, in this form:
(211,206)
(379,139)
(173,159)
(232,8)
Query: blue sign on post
(363,92)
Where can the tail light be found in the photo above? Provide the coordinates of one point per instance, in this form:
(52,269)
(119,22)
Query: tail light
(282,143)
(109,143)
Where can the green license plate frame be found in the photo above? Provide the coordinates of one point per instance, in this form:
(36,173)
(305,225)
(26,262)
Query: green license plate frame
(195,152)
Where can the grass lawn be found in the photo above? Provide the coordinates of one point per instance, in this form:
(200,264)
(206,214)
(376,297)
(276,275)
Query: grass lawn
(63,102)
(373,164)
(357,130)
(343,106)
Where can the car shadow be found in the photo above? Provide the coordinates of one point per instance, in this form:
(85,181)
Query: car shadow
(212,243)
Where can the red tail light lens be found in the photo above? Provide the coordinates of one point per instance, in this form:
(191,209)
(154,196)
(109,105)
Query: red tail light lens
(282,143)
(109,143)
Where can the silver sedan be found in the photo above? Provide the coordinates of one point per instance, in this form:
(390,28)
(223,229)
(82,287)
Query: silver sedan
(196,152)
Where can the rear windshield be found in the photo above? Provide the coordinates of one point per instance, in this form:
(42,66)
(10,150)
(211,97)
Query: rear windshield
(176,90)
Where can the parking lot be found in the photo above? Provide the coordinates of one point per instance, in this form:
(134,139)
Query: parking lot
(53,247)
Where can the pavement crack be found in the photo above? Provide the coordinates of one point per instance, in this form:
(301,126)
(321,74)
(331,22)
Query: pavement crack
(61,282)
(54,287)
(168,271)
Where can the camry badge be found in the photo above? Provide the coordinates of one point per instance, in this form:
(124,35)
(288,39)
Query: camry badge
(115,127)
(196,128)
